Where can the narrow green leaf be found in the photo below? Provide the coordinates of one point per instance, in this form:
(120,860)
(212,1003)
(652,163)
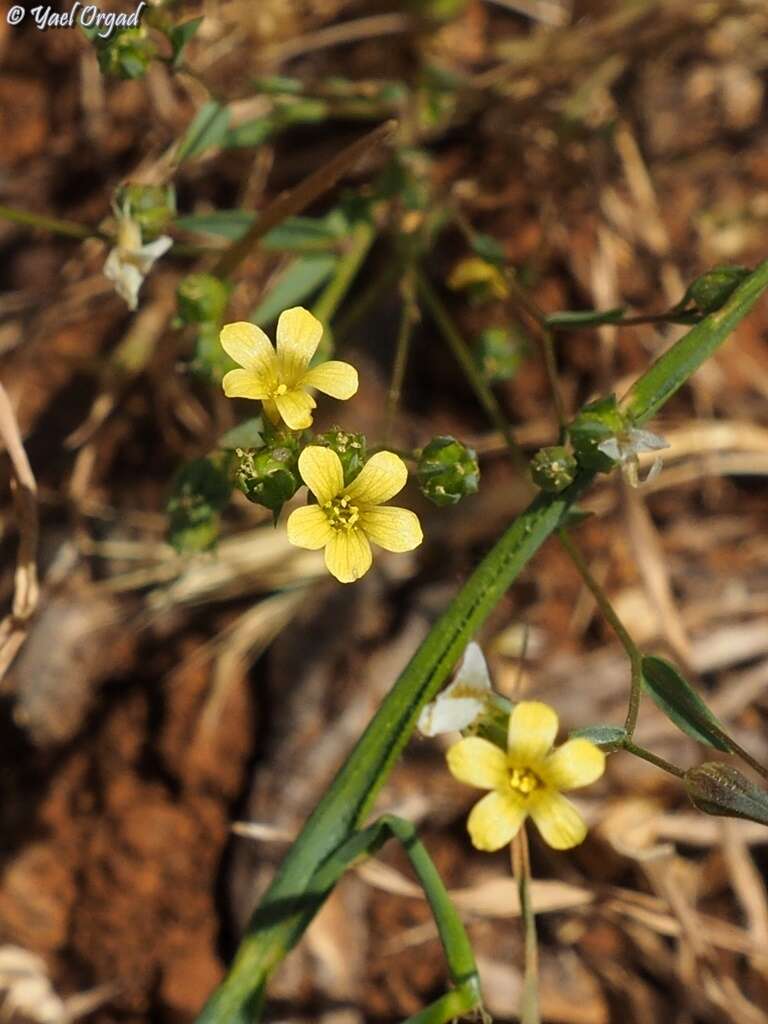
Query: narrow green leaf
(180,35)
(208,128)
(229,224)
(681,704)
(721,789)
(602,735)
(302,279)
(585,318)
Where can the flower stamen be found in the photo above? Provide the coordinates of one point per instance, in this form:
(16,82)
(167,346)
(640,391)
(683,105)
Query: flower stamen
(523,781)
(341,514)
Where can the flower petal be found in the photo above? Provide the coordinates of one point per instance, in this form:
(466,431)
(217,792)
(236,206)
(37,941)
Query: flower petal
(298,335)
(449,714)
(383,475)
(645,441)
(394,529)
(495,820)
(322,472)
(577,763)
(309,528)
(478,762)
(348,555)
(126,278)
(532,731)
(334,378)
(249,346)
(296,408)
(473,670)
(559,822)
(148,254)
(244,384)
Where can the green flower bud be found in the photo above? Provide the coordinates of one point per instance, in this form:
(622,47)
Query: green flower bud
(126,54)
(351,449)
(150,206)
(447,471)
(268,476)
(200,490)
(202,298)
(553,469)
(597,422)
(713,289)
(716,788)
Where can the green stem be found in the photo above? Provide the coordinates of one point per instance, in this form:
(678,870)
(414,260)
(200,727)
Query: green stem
(646,755)
(363,234)
(521,866)
(69,228)
(605,606)
(463,356)
(408,318)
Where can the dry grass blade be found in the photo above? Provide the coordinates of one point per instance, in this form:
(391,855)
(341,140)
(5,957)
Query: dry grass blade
(26,592)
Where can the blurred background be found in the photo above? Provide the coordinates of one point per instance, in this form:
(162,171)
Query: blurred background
(614,150)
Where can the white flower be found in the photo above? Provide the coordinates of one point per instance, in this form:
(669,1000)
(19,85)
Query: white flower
(462,702)
(129,262)
(625,448)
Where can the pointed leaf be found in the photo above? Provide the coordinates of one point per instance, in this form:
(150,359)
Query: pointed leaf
(681,704)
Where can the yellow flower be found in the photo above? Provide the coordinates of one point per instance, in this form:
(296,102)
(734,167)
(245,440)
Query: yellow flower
(526,780)
(280,378)
(345,519)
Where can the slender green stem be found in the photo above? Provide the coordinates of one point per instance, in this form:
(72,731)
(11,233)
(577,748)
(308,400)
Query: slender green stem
(358,307)
(521,866)
(69,228)
(463,356)
(408,317)
(605,606)
(646,755)
(361,239)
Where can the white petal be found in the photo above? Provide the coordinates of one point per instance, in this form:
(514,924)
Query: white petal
(152,251)
(610,447)
(645,441)
(473,671)
(449,714)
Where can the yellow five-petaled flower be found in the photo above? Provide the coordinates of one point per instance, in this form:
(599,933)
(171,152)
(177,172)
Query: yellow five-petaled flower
(345,519)
(527,780)
(280,378)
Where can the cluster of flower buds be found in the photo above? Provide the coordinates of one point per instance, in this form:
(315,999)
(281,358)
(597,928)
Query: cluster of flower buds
(269,476)
(447,471)
(553,468)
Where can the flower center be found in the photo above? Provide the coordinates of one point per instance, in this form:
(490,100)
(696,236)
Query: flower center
(341,514)
(278,390)
(523,781)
